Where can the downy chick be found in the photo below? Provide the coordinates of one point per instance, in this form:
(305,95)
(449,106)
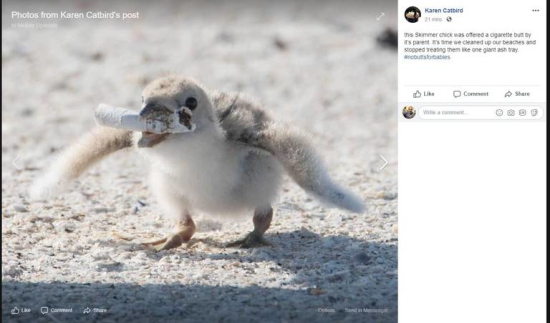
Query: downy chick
(232,163)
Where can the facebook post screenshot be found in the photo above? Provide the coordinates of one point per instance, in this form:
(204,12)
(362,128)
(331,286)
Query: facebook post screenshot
(274,161)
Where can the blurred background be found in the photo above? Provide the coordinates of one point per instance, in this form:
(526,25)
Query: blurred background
(328,67)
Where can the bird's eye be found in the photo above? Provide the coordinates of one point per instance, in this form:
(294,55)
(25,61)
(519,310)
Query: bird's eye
(191,103)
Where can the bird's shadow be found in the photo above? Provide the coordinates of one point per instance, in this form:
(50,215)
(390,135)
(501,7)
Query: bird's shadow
(331,278)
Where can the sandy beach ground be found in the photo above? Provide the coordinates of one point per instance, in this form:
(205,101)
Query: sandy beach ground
(316,65)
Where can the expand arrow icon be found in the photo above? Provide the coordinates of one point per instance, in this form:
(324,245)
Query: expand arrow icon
(385,163)
(14,164)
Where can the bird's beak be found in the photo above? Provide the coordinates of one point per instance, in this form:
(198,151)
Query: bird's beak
(149,139)
(146,110)
(152,111)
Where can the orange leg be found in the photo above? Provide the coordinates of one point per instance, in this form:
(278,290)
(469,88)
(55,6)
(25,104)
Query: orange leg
(186,229)
(262,221)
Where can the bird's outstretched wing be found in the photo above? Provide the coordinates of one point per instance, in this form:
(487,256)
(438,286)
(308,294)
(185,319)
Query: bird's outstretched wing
(246,122)
(242,119)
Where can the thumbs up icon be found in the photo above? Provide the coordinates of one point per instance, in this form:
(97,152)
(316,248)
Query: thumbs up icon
(15,311)
(417,94)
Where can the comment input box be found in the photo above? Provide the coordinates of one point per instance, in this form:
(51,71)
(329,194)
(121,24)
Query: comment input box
(480,112)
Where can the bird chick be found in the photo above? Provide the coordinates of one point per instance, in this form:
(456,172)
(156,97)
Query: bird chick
(232,163)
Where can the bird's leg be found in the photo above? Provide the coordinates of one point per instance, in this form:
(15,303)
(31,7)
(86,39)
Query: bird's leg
(185,230)
(175,206)
(262,221)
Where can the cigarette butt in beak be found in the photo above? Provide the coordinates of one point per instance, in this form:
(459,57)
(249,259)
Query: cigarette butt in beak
(147,120)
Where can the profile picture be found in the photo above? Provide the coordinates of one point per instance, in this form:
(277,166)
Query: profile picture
(412,14)
(409,112)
